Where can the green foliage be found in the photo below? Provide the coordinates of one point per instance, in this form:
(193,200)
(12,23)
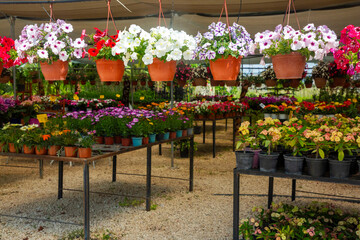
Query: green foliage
(130,202)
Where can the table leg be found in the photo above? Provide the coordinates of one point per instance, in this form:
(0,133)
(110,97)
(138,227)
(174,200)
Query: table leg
(41,168)
(148,179)
(214,136)
(61,177)
(86,202)
(204,126)
(236,205)
(293,190)
(191,186)
(271,191)
(160,152)
(114,169)
(234,132)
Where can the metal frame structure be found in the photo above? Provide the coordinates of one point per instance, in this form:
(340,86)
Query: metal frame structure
(353,180)
(108,152)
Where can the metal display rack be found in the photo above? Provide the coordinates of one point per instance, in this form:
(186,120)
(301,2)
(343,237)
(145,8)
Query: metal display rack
(106,151)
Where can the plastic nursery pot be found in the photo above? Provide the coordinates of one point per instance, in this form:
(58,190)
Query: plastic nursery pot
(152,138)
(40,150)
(184,132)
(190,131)
(289,66)
(125,141)
(160,136)
(162,71)
(268,162)
(99,140)
(244,160)
(110,70)
(84,152)
(70,151)
(179,133)
(12,148)
(293,164)
(339,169)
(109,140)
(225,68)
(53,150)
(28,150)
(137,141)
(316,166)
(117,139)
(172,135)
(145,140)
(55,71)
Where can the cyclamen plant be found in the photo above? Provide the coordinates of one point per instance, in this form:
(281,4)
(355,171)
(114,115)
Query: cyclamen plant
(310,42)
(49,42)
(221,41)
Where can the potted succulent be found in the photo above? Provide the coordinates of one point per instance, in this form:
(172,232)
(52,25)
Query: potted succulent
(224,46)
(320,74)
(289,48)
(270,77)
(50,45)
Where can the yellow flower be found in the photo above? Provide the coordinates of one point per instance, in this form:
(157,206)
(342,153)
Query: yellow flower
(102,96)
(142,98)
(354,100)
(117,95)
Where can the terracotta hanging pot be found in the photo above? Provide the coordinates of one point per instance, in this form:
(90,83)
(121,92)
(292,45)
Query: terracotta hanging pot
(289,66)
(257,85)
(84,152)
(40,150)
(231,83)
(52,151)
(162,71)
(294,83)
(270,82)
(56,71)
(320,82)
(4,79)
(28,150)
(225,69)
(110,70)
(71,151)
(199,82)
(339,81)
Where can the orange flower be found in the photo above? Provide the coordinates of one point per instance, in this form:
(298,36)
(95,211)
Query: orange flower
(66,131)
(45,137)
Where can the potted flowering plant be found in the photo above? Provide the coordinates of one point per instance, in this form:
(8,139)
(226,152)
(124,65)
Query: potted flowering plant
(320,74)
(86,141)
(200,75)
(50,45)
(69,140)
(290,48)
(136,128)
(8,55)
(224,46)
(244,159)
(337,74)
(270,77)
(29,138)
(12,134)
(109,62)
(183,73)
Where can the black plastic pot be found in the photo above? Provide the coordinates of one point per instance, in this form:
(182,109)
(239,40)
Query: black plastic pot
(293,165)
(353,166)
(160,136)
(197,129)
(316,166)
(244,160)
(339,169)
(268,162)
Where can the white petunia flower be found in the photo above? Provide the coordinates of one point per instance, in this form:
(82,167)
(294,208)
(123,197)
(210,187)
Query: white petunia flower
(148,59)
(43,53)
(63,56)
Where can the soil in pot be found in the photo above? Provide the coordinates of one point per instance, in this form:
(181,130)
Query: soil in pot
(339,169)
(316,166)
(268,163)
(293,164)
(244,160)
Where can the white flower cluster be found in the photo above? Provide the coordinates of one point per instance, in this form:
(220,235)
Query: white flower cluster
(162,43)
(318,40)
(49,41)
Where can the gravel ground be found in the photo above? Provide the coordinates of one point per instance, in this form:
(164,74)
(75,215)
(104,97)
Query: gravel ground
(205,213)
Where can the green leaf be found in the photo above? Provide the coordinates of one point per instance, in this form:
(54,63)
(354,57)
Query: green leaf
(341,155)
(322,154)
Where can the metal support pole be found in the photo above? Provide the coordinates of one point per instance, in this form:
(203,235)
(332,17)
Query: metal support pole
(172,105)
(236,205)
(226,124)
(41,168)
(86,202)
(271,191)
(131,86)
(148,179)
(61,177)
(204,126)
(114,169)
(214,136)
(191,187)
(234,132)
(12,31)
(160,152)
(293,190)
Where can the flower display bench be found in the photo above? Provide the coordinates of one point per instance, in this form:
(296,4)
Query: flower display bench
(352,180)
(213,120)
(105,152)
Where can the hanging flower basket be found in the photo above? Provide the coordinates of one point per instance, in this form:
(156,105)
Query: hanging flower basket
(110,70)
(231,83)
(308,85)
(294,83)
(270,82)
(339,81)
(225,69)
(289,66)
(216,83)
(162,71)
(199,82)
(320,82)
(56,71)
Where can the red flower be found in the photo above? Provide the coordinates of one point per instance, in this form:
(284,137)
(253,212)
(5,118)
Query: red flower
(93,52)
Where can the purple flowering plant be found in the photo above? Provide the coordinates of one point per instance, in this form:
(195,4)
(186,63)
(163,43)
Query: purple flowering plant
(223,41)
